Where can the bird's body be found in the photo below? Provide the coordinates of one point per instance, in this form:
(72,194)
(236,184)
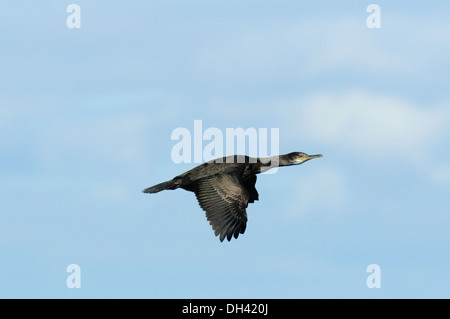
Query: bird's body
(225,186)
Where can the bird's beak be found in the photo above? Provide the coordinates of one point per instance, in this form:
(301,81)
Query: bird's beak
(308,157)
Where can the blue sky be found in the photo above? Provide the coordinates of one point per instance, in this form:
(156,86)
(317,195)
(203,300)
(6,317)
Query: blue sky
(86,117)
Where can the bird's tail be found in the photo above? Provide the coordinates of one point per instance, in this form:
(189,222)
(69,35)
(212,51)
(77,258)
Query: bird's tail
(160,187)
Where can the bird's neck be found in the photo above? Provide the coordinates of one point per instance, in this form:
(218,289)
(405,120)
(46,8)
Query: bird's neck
(267,163)
(270,162)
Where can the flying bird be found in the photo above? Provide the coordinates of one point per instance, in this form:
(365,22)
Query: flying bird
(226,185)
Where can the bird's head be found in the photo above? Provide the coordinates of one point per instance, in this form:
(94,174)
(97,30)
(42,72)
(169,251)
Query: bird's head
(296,158)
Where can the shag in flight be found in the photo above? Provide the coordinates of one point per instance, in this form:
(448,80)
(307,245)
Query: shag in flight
(225,186)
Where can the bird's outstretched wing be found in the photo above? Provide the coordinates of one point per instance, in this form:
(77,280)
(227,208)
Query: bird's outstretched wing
(224,198)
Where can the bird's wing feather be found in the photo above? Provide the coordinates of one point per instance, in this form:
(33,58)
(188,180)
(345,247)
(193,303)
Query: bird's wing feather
(224,199)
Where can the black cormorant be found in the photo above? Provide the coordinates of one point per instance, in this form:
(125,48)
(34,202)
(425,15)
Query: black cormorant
(225,186)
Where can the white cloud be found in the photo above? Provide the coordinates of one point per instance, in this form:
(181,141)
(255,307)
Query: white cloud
(380,127)
(373,123)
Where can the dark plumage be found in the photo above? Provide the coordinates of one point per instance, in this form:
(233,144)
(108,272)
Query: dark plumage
(225,186)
